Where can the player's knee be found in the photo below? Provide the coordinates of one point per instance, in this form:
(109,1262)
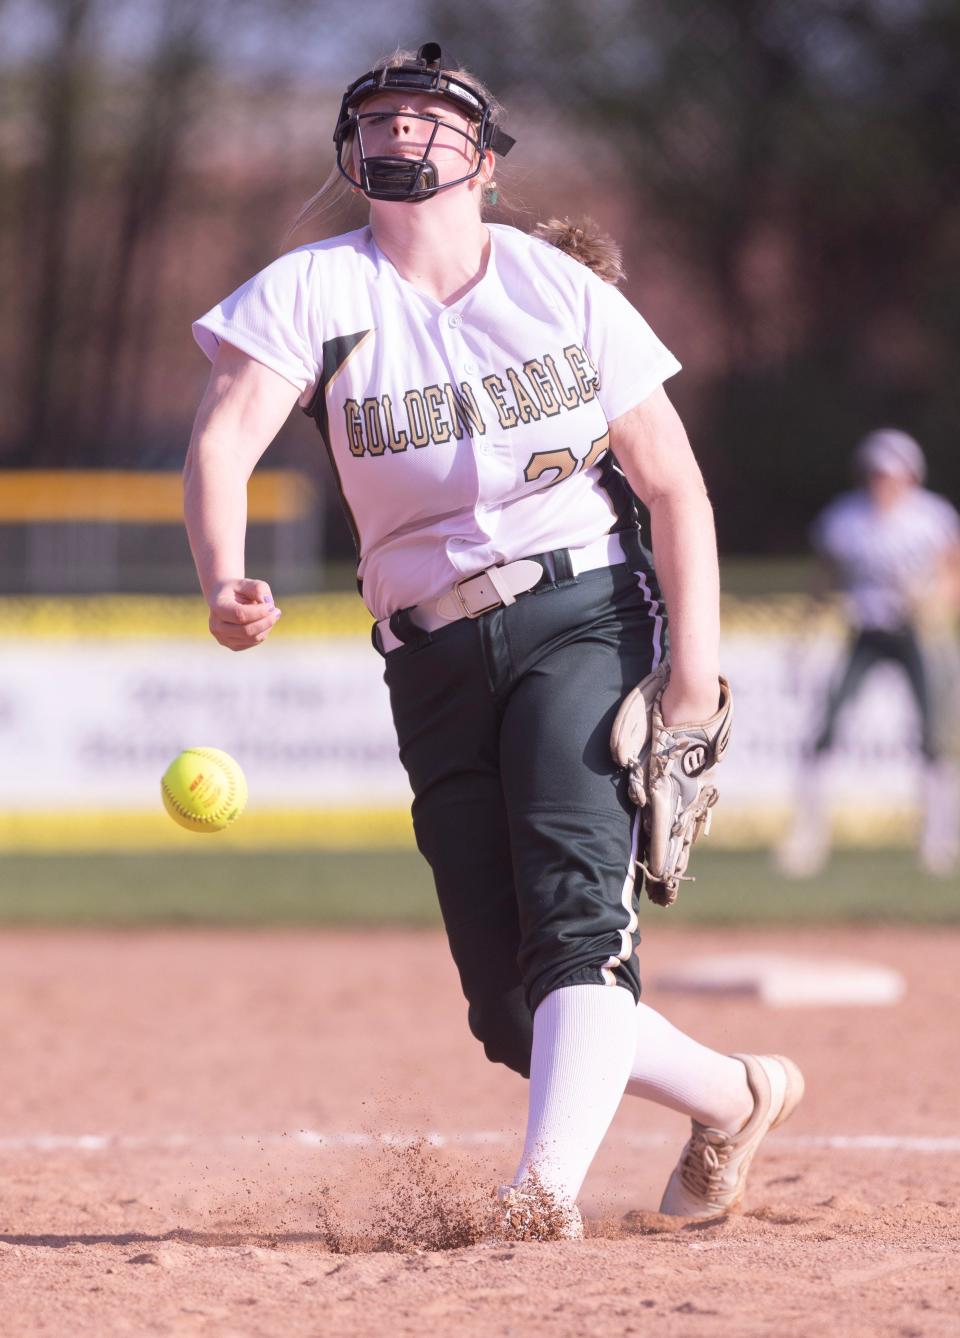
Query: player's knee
(505,1029)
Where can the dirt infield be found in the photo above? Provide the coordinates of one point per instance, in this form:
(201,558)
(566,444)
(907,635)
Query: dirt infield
(212,1134)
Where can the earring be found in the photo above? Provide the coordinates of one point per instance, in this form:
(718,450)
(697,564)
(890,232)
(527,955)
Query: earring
(490,193)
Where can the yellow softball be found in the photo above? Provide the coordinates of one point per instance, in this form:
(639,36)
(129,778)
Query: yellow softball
(204,789)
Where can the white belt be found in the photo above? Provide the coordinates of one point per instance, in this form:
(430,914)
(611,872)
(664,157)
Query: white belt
(499,586)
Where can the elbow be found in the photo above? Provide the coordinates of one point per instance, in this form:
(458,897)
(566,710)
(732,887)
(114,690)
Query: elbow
(666,496)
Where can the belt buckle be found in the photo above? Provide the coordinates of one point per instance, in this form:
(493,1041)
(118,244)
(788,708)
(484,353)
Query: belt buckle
(474,613)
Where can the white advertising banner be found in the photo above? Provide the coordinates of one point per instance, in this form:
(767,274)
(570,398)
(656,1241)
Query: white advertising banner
(89,726)
(94,726)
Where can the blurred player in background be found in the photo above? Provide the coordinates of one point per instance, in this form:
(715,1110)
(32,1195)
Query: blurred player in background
(485,400)
(893,548)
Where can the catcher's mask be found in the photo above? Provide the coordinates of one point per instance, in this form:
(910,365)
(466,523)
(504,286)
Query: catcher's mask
(411,179)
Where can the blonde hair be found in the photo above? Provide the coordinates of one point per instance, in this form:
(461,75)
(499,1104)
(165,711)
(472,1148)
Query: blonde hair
(584,241)
(335,188)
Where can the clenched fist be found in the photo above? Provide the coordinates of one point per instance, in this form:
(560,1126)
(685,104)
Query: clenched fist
(242,613)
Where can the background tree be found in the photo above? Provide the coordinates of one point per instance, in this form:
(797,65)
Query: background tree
(804,158)
(784,174)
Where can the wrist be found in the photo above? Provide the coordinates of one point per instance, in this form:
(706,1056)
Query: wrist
(216,586)
(703,684)
(692,701)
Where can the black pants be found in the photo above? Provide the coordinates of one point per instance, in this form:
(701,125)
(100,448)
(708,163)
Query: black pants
(869,647)
(504,726)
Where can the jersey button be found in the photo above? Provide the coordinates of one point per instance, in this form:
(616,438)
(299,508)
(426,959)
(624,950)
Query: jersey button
(454,321)
(469,368)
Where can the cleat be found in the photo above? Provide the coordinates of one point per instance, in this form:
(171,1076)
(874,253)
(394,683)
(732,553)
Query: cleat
(711,1176)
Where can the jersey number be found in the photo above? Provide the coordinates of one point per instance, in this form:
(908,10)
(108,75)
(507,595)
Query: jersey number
(564,462)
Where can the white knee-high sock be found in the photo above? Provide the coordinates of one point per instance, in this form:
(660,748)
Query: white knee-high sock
(584,1040)
(674,1070)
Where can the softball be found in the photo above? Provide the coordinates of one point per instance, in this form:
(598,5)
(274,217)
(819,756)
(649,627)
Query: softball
(204,789)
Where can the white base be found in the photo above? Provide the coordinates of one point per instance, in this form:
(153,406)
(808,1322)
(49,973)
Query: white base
(783,981)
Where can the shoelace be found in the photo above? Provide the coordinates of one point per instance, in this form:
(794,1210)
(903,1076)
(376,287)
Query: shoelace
(705,1162)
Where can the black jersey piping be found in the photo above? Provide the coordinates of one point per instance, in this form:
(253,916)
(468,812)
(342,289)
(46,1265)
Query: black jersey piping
(336,354)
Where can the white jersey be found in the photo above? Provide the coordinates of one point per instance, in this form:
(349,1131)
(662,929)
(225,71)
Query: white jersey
(460,435)
(887,559)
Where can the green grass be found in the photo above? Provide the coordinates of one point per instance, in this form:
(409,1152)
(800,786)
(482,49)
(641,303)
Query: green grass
(868,886)
(393,888)
(251,888)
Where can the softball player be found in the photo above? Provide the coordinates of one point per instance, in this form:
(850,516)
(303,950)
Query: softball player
(487,403)
(893,548)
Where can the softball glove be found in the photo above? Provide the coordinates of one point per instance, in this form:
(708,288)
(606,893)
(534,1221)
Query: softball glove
(670,777)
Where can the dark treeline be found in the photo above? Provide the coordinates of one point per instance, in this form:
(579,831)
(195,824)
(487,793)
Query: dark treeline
(784,177)
(802,157)
(138,185)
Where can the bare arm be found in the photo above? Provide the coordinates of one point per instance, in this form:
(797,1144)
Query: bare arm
(244,406)
(652,449)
